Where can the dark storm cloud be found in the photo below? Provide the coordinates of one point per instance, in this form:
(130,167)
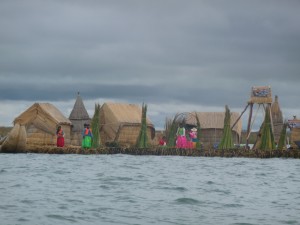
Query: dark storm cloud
(186,52)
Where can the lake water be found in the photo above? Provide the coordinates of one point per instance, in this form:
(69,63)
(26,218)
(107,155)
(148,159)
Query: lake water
(42,189)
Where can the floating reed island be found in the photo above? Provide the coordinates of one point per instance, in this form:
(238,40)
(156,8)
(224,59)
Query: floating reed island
(121,128)
(165,151)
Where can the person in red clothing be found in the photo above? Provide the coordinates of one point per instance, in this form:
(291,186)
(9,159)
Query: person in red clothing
(163,141)
(60,137)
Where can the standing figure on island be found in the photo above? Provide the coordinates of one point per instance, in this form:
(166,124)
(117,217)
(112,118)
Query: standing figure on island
(181,138)
(60,141)
(193,136)
(87,136)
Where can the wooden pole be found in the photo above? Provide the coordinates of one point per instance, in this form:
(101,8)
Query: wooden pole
(239,117)
(249,125)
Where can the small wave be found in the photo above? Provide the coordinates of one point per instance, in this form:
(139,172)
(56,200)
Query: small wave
(226,192)
(188,201)
(16,185)
(27,201)
(60,217)
(243,224)
(210,182)
(290,222)
(3,171)
(7,206)
(181,189)
(233,205)
(22,220)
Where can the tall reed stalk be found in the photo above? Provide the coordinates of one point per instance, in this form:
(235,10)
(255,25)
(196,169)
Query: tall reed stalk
(96,142)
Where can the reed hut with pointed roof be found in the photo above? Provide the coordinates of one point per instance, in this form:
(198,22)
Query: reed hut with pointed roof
(212,124)
(41,121)
(79,116)
(277,119)
(121,123)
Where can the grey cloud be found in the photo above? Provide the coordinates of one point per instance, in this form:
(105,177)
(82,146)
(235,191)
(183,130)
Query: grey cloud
(198,52)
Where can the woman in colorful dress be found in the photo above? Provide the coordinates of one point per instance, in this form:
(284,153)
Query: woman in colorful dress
(193,136)
(60,141)
(181,138)
(87,137)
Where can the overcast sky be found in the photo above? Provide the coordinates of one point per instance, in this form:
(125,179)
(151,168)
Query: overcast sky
(175,56)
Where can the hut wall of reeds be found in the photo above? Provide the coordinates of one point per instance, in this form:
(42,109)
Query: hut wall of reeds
(40,121)
(121,123)
(294,125)
(78,116)
(212,124)
(277,119)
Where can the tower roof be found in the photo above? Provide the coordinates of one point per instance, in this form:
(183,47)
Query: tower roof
(79,112)
(276,111)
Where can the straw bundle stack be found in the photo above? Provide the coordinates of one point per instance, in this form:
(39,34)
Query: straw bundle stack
(16,139)
(267,136)
(198,144)
(96,127)
(226,141)
(282,138)
(142,140)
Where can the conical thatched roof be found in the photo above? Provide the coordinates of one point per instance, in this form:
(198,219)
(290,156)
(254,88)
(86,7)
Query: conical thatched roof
(277,119)
(276,111)
(79,116)
(79,112)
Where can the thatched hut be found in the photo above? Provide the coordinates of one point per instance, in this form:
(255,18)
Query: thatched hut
(277,119)
(79,116)
(40,122)
(212,124)
(294,125)
(121,124)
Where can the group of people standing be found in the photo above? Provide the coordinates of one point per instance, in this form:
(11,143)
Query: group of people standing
(183,139)
(87,137)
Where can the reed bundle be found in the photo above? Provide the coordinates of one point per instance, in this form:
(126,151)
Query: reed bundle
(226,141)
(267,136)
(96,142)
(281,142)
(198,144)
(142,140)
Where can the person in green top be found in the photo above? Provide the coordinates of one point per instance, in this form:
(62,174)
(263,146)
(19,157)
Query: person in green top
(181,138)
(87,136)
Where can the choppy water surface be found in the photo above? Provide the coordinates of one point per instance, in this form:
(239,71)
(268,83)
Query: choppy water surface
(121,189)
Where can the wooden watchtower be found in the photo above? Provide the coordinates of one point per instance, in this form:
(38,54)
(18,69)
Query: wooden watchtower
(261,96)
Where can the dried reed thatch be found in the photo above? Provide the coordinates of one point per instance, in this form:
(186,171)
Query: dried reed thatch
(198,144)
(267,136)
(142,140)
(294,125)
(96,127)
(41,120)
(277,119)
(282,138)
(226,141)
(16,139)
(212,124)
(172,126)
(78,116)
(121,124)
